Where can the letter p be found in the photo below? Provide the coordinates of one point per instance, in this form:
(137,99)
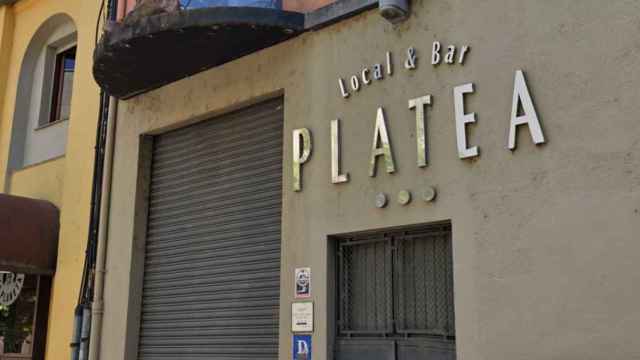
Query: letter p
(301,153)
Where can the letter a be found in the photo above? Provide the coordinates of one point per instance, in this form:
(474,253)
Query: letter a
(380,133)
(530,117)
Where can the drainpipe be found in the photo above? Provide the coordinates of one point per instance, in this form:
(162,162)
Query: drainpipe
(85,327)
(86,285)
(77,328)
(84,333)
(97,307)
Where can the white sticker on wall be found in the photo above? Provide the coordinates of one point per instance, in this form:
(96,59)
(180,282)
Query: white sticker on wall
(302,317)
(303,283)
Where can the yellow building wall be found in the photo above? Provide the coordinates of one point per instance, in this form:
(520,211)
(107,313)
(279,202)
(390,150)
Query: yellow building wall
(43,181)
(6,42)
(65,181)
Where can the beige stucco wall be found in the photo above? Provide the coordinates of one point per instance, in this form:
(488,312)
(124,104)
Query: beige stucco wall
(545,238)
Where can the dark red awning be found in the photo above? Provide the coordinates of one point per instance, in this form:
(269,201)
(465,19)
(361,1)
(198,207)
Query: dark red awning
(28,235)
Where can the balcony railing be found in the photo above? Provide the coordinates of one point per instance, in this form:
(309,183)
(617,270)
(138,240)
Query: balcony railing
(198,4)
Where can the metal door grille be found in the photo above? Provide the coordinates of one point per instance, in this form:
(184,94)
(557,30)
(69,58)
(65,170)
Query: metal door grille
(425,283)
(396,287)
(365,287)
(212,265)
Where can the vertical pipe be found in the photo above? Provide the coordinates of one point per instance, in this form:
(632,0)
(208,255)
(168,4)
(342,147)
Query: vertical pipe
(98,302)
(77,327)
(121,9)
(84,333)
(96,248)
(86,283)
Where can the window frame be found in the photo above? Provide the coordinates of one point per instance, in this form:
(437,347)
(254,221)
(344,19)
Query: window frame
(57,72)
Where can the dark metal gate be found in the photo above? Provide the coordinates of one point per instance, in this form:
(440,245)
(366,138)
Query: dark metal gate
(212,266)
(395,295)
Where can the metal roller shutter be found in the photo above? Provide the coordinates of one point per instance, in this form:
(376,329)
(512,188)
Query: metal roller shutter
(212,266)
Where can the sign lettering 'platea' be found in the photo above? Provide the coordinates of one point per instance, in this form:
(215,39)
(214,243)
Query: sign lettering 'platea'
(523,112)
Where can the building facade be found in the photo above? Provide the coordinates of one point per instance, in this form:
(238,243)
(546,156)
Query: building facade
(463,184)
(48,117)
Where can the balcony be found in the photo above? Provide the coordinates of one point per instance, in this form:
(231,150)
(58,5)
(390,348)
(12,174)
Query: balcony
(135,56)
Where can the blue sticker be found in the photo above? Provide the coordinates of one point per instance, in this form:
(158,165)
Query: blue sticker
(301,347)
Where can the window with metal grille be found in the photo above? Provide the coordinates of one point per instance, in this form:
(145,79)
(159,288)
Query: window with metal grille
(395,294)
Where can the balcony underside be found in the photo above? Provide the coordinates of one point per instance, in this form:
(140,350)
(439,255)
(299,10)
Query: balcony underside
(134,58)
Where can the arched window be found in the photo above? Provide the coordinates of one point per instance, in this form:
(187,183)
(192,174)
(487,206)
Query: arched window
(45,88)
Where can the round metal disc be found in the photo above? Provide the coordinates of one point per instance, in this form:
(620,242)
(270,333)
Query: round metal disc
(381,200)
(429,194)
(404,197)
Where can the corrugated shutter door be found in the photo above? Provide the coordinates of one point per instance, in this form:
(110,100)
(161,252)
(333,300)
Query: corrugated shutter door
(212,267)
